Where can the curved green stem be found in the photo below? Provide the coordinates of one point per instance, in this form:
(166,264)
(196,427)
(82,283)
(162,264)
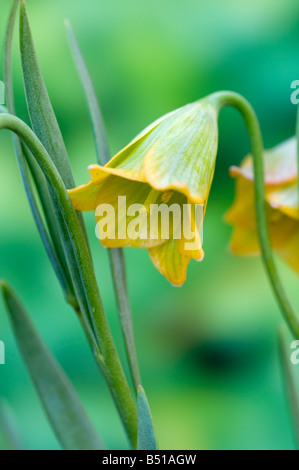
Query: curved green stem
(110,363)
(227,98)
(47,234)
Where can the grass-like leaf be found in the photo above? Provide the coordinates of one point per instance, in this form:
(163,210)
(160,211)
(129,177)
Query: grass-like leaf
(146,437)
(116,255)
(43,119)
(98,127)
(46,128)
(54,251)
(61,403)
(9,428)
(97,324)
(7,70)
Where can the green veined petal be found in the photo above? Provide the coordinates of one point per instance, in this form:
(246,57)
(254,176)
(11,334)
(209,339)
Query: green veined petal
(171,263)
(183,152)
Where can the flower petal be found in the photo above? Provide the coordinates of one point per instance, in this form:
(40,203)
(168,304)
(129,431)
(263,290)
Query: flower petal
(128,163)
(84,197)
(100,173)
(131,203)
(170,262)
(242,216)
(242,212)
(280,164)
(190,242)
(282,229)
(244,242)
(183,152)
(285,199)
(290,251)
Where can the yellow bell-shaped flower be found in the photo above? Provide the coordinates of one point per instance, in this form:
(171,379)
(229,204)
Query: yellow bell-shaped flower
(281,180)
(169,166)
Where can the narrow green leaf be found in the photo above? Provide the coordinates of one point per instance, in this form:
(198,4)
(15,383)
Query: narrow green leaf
(98,127)
(61,403)
(55,253)
(46,128)
(7,75)
(117,264)
(146,436)
(107,357)
(291,377)
(71,224)
(7,69)
(58,257)
(9,427)
(116,255)
(41,113)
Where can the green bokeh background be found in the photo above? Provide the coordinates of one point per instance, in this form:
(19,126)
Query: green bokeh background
(208,351)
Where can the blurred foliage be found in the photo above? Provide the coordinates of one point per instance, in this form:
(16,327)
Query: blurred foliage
(207,351)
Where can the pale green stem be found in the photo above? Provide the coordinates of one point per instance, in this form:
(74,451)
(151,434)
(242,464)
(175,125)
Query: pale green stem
(110,363)
(117,263)
(51,236)
(227,98)
(116,255)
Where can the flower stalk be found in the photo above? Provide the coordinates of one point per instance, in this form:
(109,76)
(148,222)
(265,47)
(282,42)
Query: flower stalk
(96,322)
(49,231)
(227,98)
(116,255)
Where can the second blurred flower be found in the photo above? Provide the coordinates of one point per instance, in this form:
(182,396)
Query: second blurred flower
(281,179)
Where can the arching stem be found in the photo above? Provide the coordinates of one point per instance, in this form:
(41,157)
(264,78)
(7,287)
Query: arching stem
(98,329)
(227,98)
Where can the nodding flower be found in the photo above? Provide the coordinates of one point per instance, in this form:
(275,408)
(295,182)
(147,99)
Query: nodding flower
(282,204)
(169,165)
